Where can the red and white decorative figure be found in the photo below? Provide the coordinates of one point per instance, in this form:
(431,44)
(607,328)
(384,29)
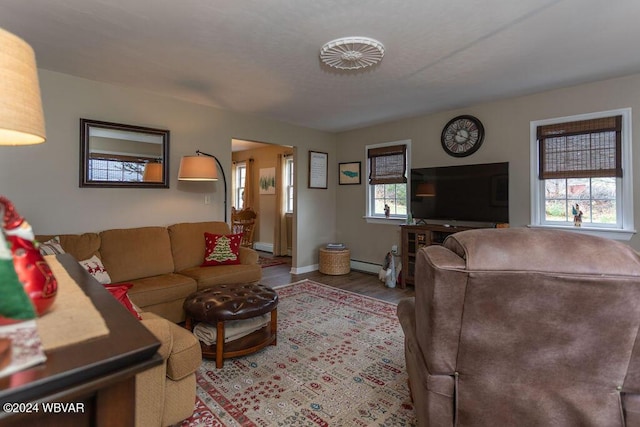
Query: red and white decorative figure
(33,271)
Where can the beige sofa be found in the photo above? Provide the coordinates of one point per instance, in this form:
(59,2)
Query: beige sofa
(163,264)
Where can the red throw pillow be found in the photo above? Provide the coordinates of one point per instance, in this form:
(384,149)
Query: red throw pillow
(221,249)
(119,292)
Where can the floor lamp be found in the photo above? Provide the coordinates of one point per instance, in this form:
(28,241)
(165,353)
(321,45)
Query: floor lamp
(202,167)
(21,118)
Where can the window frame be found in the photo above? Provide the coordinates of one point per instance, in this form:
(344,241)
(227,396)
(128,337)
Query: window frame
(624,228)
(369,189)
(239,203)
(289,171)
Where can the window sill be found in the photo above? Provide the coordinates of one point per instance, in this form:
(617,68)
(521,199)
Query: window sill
(382,220)
(610,233)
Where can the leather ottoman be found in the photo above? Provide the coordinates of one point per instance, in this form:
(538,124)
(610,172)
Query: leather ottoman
(238,305)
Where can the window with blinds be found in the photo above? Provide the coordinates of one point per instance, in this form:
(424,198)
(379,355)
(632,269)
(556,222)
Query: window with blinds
(387,189)
(581,149)
(583,169)
(388,165)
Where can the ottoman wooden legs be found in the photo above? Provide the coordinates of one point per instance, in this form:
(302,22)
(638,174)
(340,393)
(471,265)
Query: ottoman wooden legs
(220,344)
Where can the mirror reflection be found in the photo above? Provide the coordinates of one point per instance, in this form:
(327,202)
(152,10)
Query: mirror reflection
(119,155)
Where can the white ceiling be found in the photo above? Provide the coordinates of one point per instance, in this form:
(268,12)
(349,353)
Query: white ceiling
(262,57)
(242,145)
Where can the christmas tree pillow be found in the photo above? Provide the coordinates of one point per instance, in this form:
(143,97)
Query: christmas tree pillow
(221,249)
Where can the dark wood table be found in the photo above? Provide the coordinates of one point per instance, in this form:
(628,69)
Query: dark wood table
(96,376)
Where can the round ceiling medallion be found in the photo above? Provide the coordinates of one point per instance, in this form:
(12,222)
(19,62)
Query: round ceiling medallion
(352,53)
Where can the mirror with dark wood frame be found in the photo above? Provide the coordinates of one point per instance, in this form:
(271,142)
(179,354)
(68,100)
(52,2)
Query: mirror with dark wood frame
(119,155)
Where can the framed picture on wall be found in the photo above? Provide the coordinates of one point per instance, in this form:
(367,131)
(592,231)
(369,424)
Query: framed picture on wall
(349,173)
(267,181)
(318,169)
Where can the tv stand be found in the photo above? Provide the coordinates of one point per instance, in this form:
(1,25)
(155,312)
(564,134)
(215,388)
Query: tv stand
(415,237)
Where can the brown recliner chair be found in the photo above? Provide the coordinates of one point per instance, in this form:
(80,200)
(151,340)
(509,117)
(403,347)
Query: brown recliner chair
(524,327)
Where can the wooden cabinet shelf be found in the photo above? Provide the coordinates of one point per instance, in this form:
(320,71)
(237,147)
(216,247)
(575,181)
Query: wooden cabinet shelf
(415,237)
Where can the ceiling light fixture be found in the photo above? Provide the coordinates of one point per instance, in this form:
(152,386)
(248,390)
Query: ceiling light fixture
(352,53)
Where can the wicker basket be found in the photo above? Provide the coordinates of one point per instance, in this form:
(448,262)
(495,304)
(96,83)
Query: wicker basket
(335,262)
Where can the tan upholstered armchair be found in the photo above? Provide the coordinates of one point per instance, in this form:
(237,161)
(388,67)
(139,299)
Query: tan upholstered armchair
(524,327)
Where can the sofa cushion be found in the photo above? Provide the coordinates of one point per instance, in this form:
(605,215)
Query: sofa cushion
(160,289)
(187,241)
(80,246)
(221,249)
(224,274)
(248,256)
(133,253)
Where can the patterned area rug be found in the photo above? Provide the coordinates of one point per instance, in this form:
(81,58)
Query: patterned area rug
(270,262)
(339,362)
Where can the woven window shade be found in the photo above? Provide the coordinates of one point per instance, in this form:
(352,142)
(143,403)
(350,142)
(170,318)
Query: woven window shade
(581,149)
(388,165)
(121,158)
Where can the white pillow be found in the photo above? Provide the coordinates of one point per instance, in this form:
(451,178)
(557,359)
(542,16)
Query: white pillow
(95,267)
(51,247)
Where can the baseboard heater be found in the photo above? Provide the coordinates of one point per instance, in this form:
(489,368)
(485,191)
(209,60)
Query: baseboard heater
(365,267)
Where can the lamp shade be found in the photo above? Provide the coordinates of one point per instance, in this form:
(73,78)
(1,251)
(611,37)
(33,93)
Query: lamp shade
(198,168)
(21,117)
(426,189)
(152,172)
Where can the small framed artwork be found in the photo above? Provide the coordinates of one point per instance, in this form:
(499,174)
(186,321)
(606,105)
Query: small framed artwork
(349,173)
(267,181)
(318,169)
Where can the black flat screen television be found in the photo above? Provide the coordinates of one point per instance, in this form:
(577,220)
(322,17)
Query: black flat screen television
(461,193)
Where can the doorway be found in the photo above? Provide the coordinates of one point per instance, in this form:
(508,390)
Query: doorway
(263,179)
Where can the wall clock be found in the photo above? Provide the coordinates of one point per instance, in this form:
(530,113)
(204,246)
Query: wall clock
(462,136)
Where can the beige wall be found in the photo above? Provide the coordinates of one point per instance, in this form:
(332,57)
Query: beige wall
(507,139)
(263,204)
(42,180)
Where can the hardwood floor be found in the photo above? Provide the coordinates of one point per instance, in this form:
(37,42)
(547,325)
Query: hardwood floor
(355,281)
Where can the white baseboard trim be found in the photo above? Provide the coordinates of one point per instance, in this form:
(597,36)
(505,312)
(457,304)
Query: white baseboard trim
(306,269)
(367,267)
(264,247)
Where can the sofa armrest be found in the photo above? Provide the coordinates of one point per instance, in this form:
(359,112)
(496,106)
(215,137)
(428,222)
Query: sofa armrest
(406,312)
(180,349)
(160,328)
(248,256)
